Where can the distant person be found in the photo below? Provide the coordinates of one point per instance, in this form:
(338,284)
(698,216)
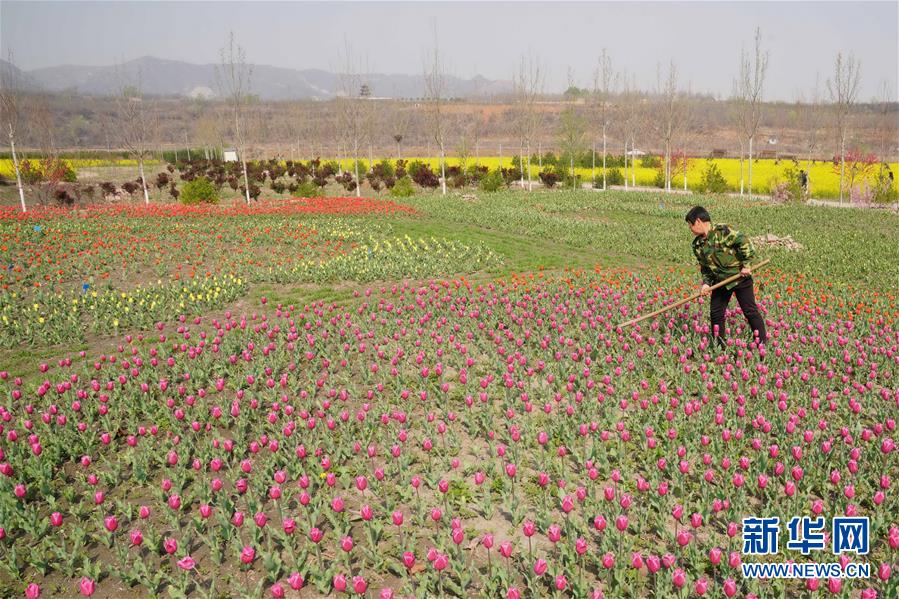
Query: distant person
(723,252)
(803,184)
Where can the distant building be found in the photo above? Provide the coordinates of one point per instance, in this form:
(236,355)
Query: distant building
(230,155)
(201,92)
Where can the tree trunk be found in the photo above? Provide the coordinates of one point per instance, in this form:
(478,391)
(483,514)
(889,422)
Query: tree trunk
(842,165)
(667,165)
(500,156)
(443,168)
(371,160)
(571,166)
(603,157)
(521,162)
(633,164)
(741,167)
(750,165)
(188,153)
(540,155)
(15,164)
(530,182)
(356,168)
(593,165)
(246,178)
(625,164)
(143,180)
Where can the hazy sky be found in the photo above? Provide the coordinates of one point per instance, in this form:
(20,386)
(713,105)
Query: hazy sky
(703,38)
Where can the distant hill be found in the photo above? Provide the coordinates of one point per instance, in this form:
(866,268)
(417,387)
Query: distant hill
(175,78)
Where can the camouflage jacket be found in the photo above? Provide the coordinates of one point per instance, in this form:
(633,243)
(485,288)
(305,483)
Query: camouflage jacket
(722,254)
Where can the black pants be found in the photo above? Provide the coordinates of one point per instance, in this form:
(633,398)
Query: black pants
(746,299)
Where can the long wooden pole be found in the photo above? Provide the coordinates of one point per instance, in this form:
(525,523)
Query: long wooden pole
(687,300)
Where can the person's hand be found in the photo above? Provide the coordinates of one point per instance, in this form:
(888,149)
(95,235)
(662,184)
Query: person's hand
(745,272)
(706,289)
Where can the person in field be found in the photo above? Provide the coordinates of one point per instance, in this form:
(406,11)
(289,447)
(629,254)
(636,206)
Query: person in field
(723,252)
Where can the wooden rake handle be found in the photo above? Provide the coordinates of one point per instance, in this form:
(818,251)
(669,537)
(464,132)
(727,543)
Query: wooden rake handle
(687,300)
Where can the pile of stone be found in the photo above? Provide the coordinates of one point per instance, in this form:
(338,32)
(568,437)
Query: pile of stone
(773,241)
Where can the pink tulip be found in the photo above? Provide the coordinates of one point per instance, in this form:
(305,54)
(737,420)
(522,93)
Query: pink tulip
(679,578)
(359,585)
(339,582)
(554,533)
(529,528)
(111,523)
(441,562)
(247,555)
(87,586)
(295,580)
(187,563)
(170,545)
(33,591)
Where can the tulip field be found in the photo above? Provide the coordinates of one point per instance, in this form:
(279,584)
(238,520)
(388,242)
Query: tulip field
(433,397)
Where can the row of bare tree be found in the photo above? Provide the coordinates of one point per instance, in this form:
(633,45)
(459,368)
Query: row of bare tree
(670,116)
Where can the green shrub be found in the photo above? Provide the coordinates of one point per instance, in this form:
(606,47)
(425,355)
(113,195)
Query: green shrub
(199,191)
(613,177)
(712,179)
(659,181)
(492,181)
(884,187)
(650,161)
(403,188)
(308,189)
